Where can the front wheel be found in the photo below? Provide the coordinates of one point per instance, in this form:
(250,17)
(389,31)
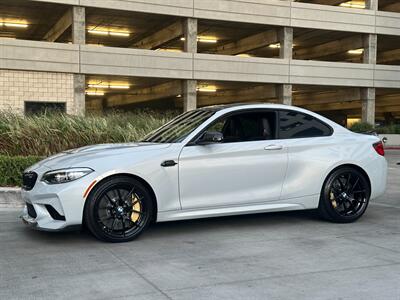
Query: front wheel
(344,196)
(118,209)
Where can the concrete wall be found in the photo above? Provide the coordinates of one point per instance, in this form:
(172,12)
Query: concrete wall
(85,59)
(271,12)
(16,87)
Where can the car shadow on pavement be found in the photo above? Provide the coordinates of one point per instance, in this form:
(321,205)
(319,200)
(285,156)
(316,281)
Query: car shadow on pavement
(164,230)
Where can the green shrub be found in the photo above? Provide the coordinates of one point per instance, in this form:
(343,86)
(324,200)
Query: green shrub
(361,127)
(12,167)
(390,129)
(48,134)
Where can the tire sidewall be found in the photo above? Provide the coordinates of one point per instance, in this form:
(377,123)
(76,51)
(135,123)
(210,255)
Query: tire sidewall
(89,212)
(325,205)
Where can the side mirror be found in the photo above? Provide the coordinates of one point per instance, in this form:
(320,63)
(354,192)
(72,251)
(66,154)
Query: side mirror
(211,137)
(384,140)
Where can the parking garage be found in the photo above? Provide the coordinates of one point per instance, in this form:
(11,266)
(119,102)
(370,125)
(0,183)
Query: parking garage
(123,58)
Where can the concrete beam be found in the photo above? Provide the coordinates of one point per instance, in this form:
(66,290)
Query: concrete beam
(392,7)
(259,93)
(249,43)
(389,56)
(386,101)
(78,25)
(368,105)
(164,90)
(59,28)
(325,97)
(286,42)
(327,2)
(161,37)
(334,47)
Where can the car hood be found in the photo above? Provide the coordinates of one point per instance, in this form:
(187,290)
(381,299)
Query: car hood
(81,157)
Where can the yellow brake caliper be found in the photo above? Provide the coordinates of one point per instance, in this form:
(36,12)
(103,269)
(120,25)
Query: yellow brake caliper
(137,207)
(333,200)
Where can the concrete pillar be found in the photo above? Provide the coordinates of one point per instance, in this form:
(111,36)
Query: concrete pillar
(190,32)
(189,95)
(286,42)
(370,48)
(284,92)
(190,86)
(79,37)
(78,25)
(368,95)
(79,94)
(368,105)
(371,4)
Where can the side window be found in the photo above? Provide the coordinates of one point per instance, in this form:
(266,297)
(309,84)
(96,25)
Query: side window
(294,124)
(246,127)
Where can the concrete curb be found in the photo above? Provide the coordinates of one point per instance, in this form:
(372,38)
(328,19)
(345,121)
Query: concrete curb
(10,198)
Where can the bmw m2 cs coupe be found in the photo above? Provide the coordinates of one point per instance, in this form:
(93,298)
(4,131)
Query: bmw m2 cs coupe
(210,162)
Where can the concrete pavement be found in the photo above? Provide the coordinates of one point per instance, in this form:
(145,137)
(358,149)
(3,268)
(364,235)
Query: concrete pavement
(266,256)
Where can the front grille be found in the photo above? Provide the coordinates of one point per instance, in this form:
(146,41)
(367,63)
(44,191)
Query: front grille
(31,210)
(29,180)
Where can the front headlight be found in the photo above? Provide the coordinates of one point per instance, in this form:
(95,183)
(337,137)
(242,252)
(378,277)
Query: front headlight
(65,175)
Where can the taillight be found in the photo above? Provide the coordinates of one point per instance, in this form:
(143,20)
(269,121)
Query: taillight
(379,148)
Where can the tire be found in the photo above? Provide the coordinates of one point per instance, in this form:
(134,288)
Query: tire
(118,209)
(345,195)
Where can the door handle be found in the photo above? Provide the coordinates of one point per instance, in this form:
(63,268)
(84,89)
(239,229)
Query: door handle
(168,163)
(273,147)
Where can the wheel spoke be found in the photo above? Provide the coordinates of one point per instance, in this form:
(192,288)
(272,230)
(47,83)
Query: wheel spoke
(110,200)
(354,185)
(359,191)
(130,194)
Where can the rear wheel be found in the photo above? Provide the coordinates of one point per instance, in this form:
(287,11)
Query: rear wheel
(118,209)
(345,195)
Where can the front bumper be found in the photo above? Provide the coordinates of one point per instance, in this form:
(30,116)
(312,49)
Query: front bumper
(55,207)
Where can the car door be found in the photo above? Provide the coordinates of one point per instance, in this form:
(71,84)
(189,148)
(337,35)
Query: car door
(247,168)
(311,151)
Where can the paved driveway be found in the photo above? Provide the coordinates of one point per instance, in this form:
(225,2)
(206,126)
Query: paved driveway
(268,256)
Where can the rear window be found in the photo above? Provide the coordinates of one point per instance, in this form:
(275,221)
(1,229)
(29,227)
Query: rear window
(294,124)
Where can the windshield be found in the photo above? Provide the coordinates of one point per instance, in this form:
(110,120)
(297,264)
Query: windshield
(179,128)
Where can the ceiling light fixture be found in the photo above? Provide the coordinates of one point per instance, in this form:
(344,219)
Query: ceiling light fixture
(356,51)
(207,89)
(353,4)
(106,85)
(169,50)
(16,25)
(243,55)
(205,39)
(94,93)
(109,32)
(275,46)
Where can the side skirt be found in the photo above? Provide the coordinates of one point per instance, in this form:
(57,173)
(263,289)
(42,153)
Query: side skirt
(225,211)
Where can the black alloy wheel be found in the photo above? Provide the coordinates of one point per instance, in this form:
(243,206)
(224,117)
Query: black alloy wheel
(118,210)
(345,195)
